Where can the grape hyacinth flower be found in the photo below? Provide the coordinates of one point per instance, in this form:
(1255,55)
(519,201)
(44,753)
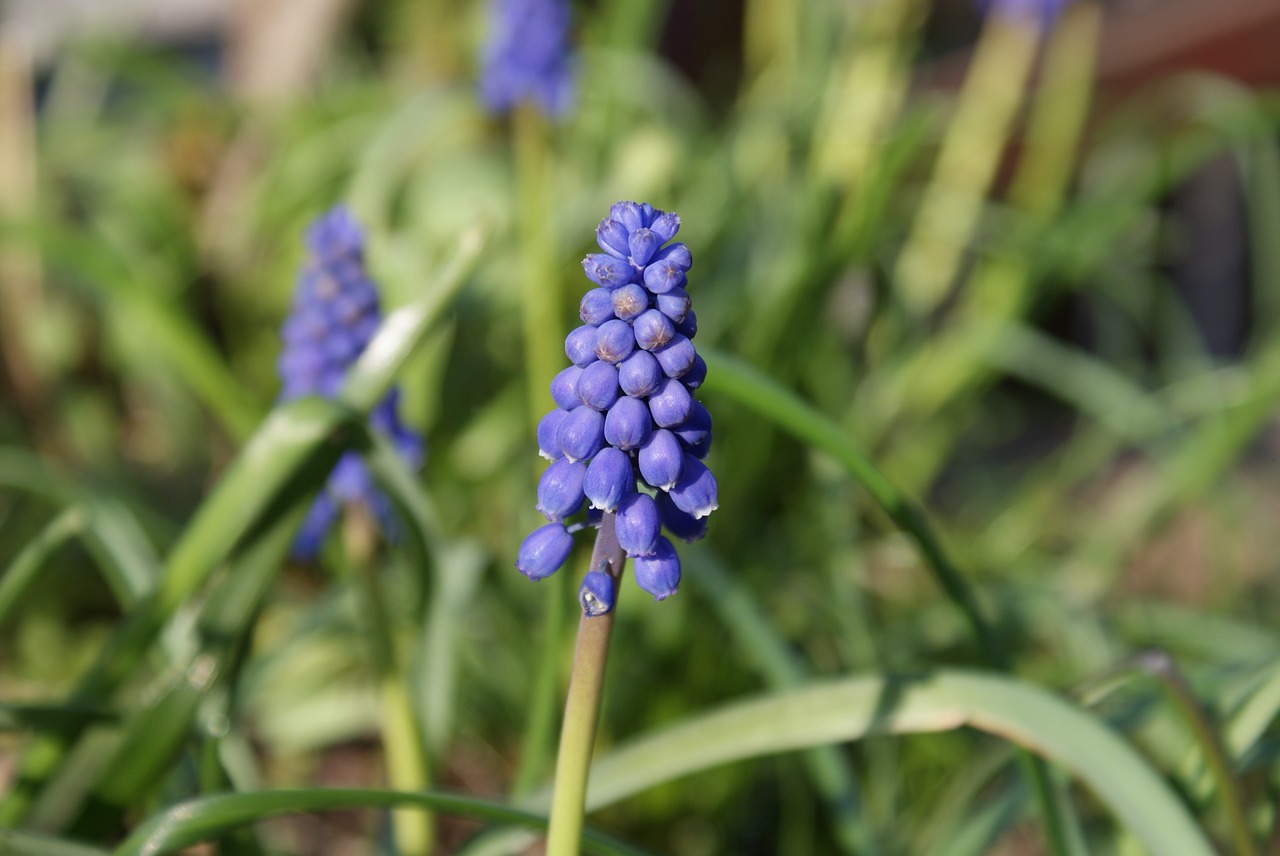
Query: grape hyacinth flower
(627,436)
(527,56)
(1037,13)
(335,313)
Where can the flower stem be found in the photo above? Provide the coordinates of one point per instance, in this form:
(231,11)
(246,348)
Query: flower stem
(403,743)
(582,707)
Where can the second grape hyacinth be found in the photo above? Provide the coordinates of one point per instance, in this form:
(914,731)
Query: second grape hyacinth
(627,437)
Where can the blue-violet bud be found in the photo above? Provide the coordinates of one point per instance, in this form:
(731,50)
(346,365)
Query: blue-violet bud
(564,388)
(614,341)
(560,489)
(653,329)
(627,424)
(629,301)
(660,459)
(659,574)
(695,492)
(544,551)
(638,525)
(580,346)
(581,433)
(548,447)
(671,404)
(598,385)
(596,306)
(640,374)
(598,593)
(609,479)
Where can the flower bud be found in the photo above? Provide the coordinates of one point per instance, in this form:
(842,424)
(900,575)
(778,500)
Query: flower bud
(560,489)
(697,373)
(639,374)
(653,329)
(564,388)
(643,243)
(670,404)
(580,345)
(689,326)
(674,304)
(581,433)
(638,525)
(676,357)
(598,386)
(598,593)
(547,427)
(629,301)
(627,424)
(659,574)
(544,551)
(695,492)
(614,341)
(661,459)
(607,271)
(609,479)
(596,306)
(665,226)
(612,238)
(684,526)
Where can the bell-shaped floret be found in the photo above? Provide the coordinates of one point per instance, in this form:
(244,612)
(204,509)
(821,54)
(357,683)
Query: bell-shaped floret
(598,385)
(670,404)
(597,594)
(544,551)
(695,492)
(581,433)
(661,459)
(609,479)
(638,525)
(659,574)
(627,424)
(560,489)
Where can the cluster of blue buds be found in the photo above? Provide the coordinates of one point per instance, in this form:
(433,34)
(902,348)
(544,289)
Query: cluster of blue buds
(627,435)
(1037,13)
(335,313)
(527,56)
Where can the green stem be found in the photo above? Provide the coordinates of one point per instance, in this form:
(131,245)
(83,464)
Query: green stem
(582,707)
(1160,665)
(403,744)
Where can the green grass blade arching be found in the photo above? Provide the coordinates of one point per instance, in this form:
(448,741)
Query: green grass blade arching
(203,819)
(20,843)
(853,708)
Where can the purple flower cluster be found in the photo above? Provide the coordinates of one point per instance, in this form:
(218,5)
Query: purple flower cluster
(335,313)
(1039,13)
(625,414)
(527,56)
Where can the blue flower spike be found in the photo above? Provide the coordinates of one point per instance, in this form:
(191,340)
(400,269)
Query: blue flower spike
(527,57)
(335,313)
(627,437)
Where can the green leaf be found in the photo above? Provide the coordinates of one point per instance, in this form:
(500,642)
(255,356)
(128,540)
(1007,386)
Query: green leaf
(29,844)
(854,708)
(199,820)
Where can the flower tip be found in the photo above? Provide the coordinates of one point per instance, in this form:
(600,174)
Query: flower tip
(598,594)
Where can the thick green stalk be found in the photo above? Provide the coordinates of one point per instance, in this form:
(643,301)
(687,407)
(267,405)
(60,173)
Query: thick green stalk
(402,741)
(582,707)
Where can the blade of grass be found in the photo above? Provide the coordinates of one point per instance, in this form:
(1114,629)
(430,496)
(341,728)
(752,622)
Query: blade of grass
(853,708)
(199,820)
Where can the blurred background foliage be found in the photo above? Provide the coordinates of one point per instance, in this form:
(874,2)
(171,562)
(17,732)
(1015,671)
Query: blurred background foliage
(1036,281)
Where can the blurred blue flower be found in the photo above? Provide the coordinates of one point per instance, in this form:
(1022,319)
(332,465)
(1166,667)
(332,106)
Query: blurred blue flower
(626,428)
(1040,13)
(527,56)
(335,313)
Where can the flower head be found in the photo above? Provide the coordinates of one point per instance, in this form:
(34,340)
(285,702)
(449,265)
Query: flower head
(335,313)
(627,436)
(1037,13)
(527,56)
